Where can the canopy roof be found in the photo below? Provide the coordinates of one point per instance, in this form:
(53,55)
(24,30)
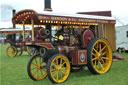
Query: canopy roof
(58,18)
(14,31)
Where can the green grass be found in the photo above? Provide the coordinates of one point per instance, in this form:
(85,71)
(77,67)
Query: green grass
(13,71)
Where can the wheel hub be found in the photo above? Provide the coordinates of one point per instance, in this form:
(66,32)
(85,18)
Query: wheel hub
(38,67)
(58,68)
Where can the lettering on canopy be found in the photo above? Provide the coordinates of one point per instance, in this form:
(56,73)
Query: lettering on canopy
(74,19)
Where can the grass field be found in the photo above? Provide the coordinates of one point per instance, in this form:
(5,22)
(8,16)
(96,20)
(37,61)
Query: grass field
(13,71)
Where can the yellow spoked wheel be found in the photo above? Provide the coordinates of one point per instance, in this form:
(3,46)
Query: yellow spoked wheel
(11,51)
(99,56)
(36,68)
(58,68)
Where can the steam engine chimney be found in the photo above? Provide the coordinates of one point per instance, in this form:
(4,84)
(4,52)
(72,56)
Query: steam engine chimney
(13,13)
(47,5)
(14,26)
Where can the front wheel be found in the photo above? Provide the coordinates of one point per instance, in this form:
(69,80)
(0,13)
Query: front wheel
(99,56)
(36,68)
(58,68)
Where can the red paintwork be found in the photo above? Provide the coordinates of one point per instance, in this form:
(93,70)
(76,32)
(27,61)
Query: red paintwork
(66,49)
(46,45)
(99,13)
(61,49)
(82,52)
(76,55)
(87,36)
(73,54)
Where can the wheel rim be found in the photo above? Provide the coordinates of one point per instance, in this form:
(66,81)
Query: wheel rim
(11,51)
(38,68)
(60,69)
(101,56)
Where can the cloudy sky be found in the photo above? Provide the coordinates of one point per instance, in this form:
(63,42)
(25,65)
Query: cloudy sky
(118,7)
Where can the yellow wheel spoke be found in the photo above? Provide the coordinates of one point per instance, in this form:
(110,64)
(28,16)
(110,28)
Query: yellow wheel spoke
(35,72)
(36,61)
(57,75)
(63,63)
(61,75)
(63,68)
(98,64)
(57,61)
(104,53)
(63,72)
(33,68)
(95,50)
(41,72)
(34,64)
(95,63)
(101,65)
(54,74)
(103,48)
(102,61)
(93,54)
(100,47)
(54,64)
(53,69)
(94,58)
(60,60)
(105,58)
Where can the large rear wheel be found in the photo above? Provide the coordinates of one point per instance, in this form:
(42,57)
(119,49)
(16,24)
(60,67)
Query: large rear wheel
(99,56)
(36,68)
(58,68)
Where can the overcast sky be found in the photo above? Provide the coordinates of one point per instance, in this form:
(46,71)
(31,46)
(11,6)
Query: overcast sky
(118,7)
